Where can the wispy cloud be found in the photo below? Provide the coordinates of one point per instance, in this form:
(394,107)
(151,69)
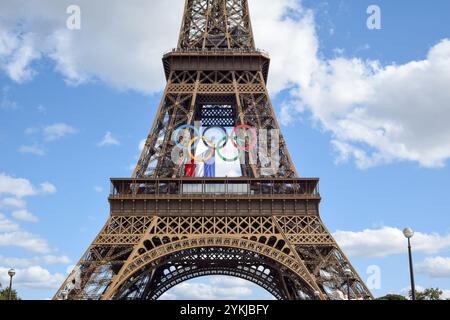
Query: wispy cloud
(387,241)
(435,267)
(219,288)
(29,271)
(12,235)
(57,131)
(33,149)
(108,140)
(47,188)
(33,277)
(13,203)
(12,193)
(17,187)
(25,215)
(20,187)
(29,262)
(43,135)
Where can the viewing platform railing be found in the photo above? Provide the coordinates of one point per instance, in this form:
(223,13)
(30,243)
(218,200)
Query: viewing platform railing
(215,51)
(230,187)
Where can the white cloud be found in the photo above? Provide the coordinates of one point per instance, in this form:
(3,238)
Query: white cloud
(108,140)
(44,135)
(209,291)
(34,149)
(388,241)
(376,113)
(25,215)
(50,133)
(445,294)
(47,188)
(34,277)
(7,225)
(98,189)
(17,51)
(225,281)
(29,262)
(17,187)
(274,31)
(12,192)
(383,114)
(13,203)
(20,188)
(435,267)
(12,235)
(117,32)
(57,131)
(24,240)
(18,67)
(115,28)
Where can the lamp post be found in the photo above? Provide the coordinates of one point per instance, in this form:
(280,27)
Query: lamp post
(11,274)
(348,273)
(409,233)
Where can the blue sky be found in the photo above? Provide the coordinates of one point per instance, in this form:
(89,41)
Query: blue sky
(53,122)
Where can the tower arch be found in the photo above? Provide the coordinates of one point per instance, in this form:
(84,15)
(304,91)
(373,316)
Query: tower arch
(150,275)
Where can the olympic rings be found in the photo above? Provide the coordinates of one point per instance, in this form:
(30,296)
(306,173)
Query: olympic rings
(226,159)
(253,132)
(175,133)
(216,146)
(197,158)
(220,144)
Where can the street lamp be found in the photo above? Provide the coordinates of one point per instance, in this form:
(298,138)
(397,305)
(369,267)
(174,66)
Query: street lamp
(409,233)
(348,273)
(11,274)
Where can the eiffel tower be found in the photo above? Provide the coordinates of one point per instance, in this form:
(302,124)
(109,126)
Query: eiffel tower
(167,227)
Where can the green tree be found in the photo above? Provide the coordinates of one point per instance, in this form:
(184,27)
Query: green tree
(392,297)
(428,294)
(4,294)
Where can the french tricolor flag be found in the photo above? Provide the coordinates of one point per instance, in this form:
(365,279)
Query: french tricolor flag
(202,169)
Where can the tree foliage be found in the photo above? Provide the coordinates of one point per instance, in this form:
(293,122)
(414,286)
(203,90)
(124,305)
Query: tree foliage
(4,294)
(428,294)
(393,297)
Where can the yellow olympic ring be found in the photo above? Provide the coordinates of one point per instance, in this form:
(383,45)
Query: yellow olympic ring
(190,149)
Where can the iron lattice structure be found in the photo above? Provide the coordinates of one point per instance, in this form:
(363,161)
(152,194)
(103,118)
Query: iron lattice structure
(265,229)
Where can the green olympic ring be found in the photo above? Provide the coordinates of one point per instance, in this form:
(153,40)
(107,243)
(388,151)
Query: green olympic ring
(226,159)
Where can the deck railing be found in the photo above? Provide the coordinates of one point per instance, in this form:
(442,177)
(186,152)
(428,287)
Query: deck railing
(193,187)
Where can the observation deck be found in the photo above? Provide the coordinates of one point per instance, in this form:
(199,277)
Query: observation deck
(215,197)
(216,60)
